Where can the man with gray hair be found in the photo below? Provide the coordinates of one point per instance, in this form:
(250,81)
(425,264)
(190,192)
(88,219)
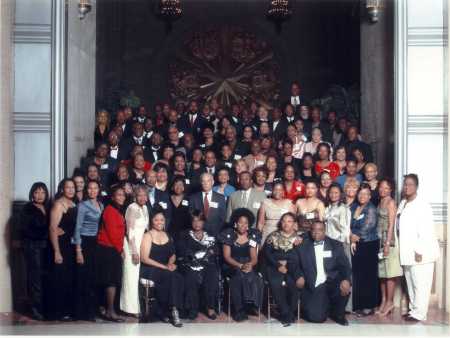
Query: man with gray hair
(211,203)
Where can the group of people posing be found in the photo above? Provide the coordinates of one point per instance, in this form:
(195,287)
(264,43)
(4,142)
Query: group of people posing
(206,203)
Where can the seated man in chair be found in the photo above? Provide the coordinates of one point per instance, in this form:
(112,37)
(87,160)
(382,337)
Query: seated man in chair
(323,274)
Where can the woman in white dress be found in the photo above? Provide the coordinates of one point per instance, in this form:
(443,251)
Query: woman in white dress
(137,219)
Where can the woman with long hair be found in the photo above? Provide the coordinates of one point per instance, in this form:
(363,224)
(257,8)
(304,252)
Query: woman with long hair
(158,264)
(34,221)
(85,240)
(63,217)
(389,268)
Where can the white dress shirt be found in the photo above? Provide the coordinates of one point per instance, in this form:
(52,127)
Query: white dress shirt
(290,119)
(295,100)
(321,275)
(209,196)
(275,124)
(416,232)
(114,152)
(138,140)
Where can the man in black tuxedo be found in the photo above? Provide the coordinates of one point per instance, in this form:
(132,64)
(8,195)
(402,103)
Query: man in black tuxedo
(157,197)
(153,153)
(295,98)
(211,203)
(323,274)
(353,142)
(278,125)
(127,144)
(193,122)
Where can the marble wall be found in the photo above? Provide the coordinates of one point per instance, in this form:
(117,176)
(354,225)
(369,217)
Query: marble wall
(421,112)
(80,118)
(32,94)
(6,167)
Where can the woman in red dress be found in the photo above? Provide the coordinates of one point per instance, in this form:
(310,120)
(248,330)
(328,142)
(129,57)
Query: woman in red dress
(293,188)
(324,163)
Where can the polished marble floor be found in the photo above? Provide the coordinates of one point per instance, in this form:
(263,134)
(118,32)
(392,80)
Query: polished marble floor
(436,325)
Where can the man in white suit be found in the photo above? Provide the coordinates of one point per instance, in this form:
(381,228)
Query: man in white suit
(419,248)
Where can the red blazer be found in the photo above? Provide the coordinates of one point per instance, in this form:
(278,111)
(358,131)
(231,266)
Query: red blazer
(297,191)
(112,229)
(333,168)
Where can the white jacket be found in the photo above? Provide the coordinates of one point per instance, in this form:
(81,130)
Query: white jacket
(415,227)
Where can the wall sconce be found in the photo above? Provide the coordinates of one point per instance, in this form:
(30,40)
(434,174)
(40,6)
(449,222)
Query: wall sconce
(84,7)
(373,8)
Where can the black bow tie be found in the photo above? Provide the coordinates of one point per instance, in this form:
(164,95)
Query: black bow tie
(318,243)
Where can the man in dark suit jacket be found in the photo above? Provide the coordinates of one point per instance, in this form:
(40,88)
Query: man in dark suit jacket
(323,274)
(157,198)
(211,203)
(137,138)
(278,125)
(192,122)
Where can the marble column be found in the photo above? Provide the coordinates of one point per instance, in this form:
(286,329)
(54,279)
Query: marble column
(377,86)
(80,118)
(6,158)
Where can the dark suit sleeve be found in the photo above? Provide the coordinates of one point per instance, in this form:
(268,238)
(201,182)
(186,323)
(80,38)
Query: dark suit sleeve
(295,268)
(269,255)
(343,264)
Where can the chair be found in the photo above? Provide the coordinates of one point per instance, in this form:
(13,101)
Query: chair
(147,297)
(270,302)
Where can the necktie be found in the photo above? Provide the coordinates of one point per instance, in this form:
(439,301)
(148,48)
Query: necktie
(191,120)
(206,205)
(244,197)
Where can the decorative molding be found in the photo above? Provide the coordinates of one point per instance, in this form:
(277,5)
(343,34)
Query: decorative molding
(32,122)
(400,87)
(427,124)
(32,33)
(440,211)
(58,94)
(426,36)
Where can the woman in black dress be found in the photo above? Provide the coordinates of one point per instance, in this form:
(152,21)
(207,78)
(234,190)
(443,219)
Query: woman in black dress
(197,256)
(240,254)
(180,220)
(34,223)
(279,256)
(63,218)
(158,264)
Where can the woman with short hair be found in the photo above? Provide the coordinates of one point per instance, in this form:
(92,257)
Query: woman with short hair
(136,218)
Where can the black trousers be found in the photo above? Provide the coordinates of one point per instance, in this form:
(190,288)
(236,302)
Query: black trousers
(204,283)
(35,256)
(322,302)
(284,292)
(61,285)
(86,293)
(246,289)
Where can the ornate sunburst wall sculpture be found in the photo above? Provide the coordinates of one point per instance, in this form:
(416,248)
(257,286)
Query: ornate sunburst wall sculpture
(228,63)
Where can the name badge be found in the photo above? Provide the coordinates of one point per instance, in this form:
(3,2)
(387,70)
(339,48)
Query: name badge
(203,145)
(185,203)
(104,166)
(309,215)
(187,181)
(360,217)
(213,204)
(252,243)
(163,205)
(199,129)
(237,157)
(200,254)
(228,164)
(327,254)
(258,163)
(268,192)
(256,205)
(180,134)
(104,193)
(299,188)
